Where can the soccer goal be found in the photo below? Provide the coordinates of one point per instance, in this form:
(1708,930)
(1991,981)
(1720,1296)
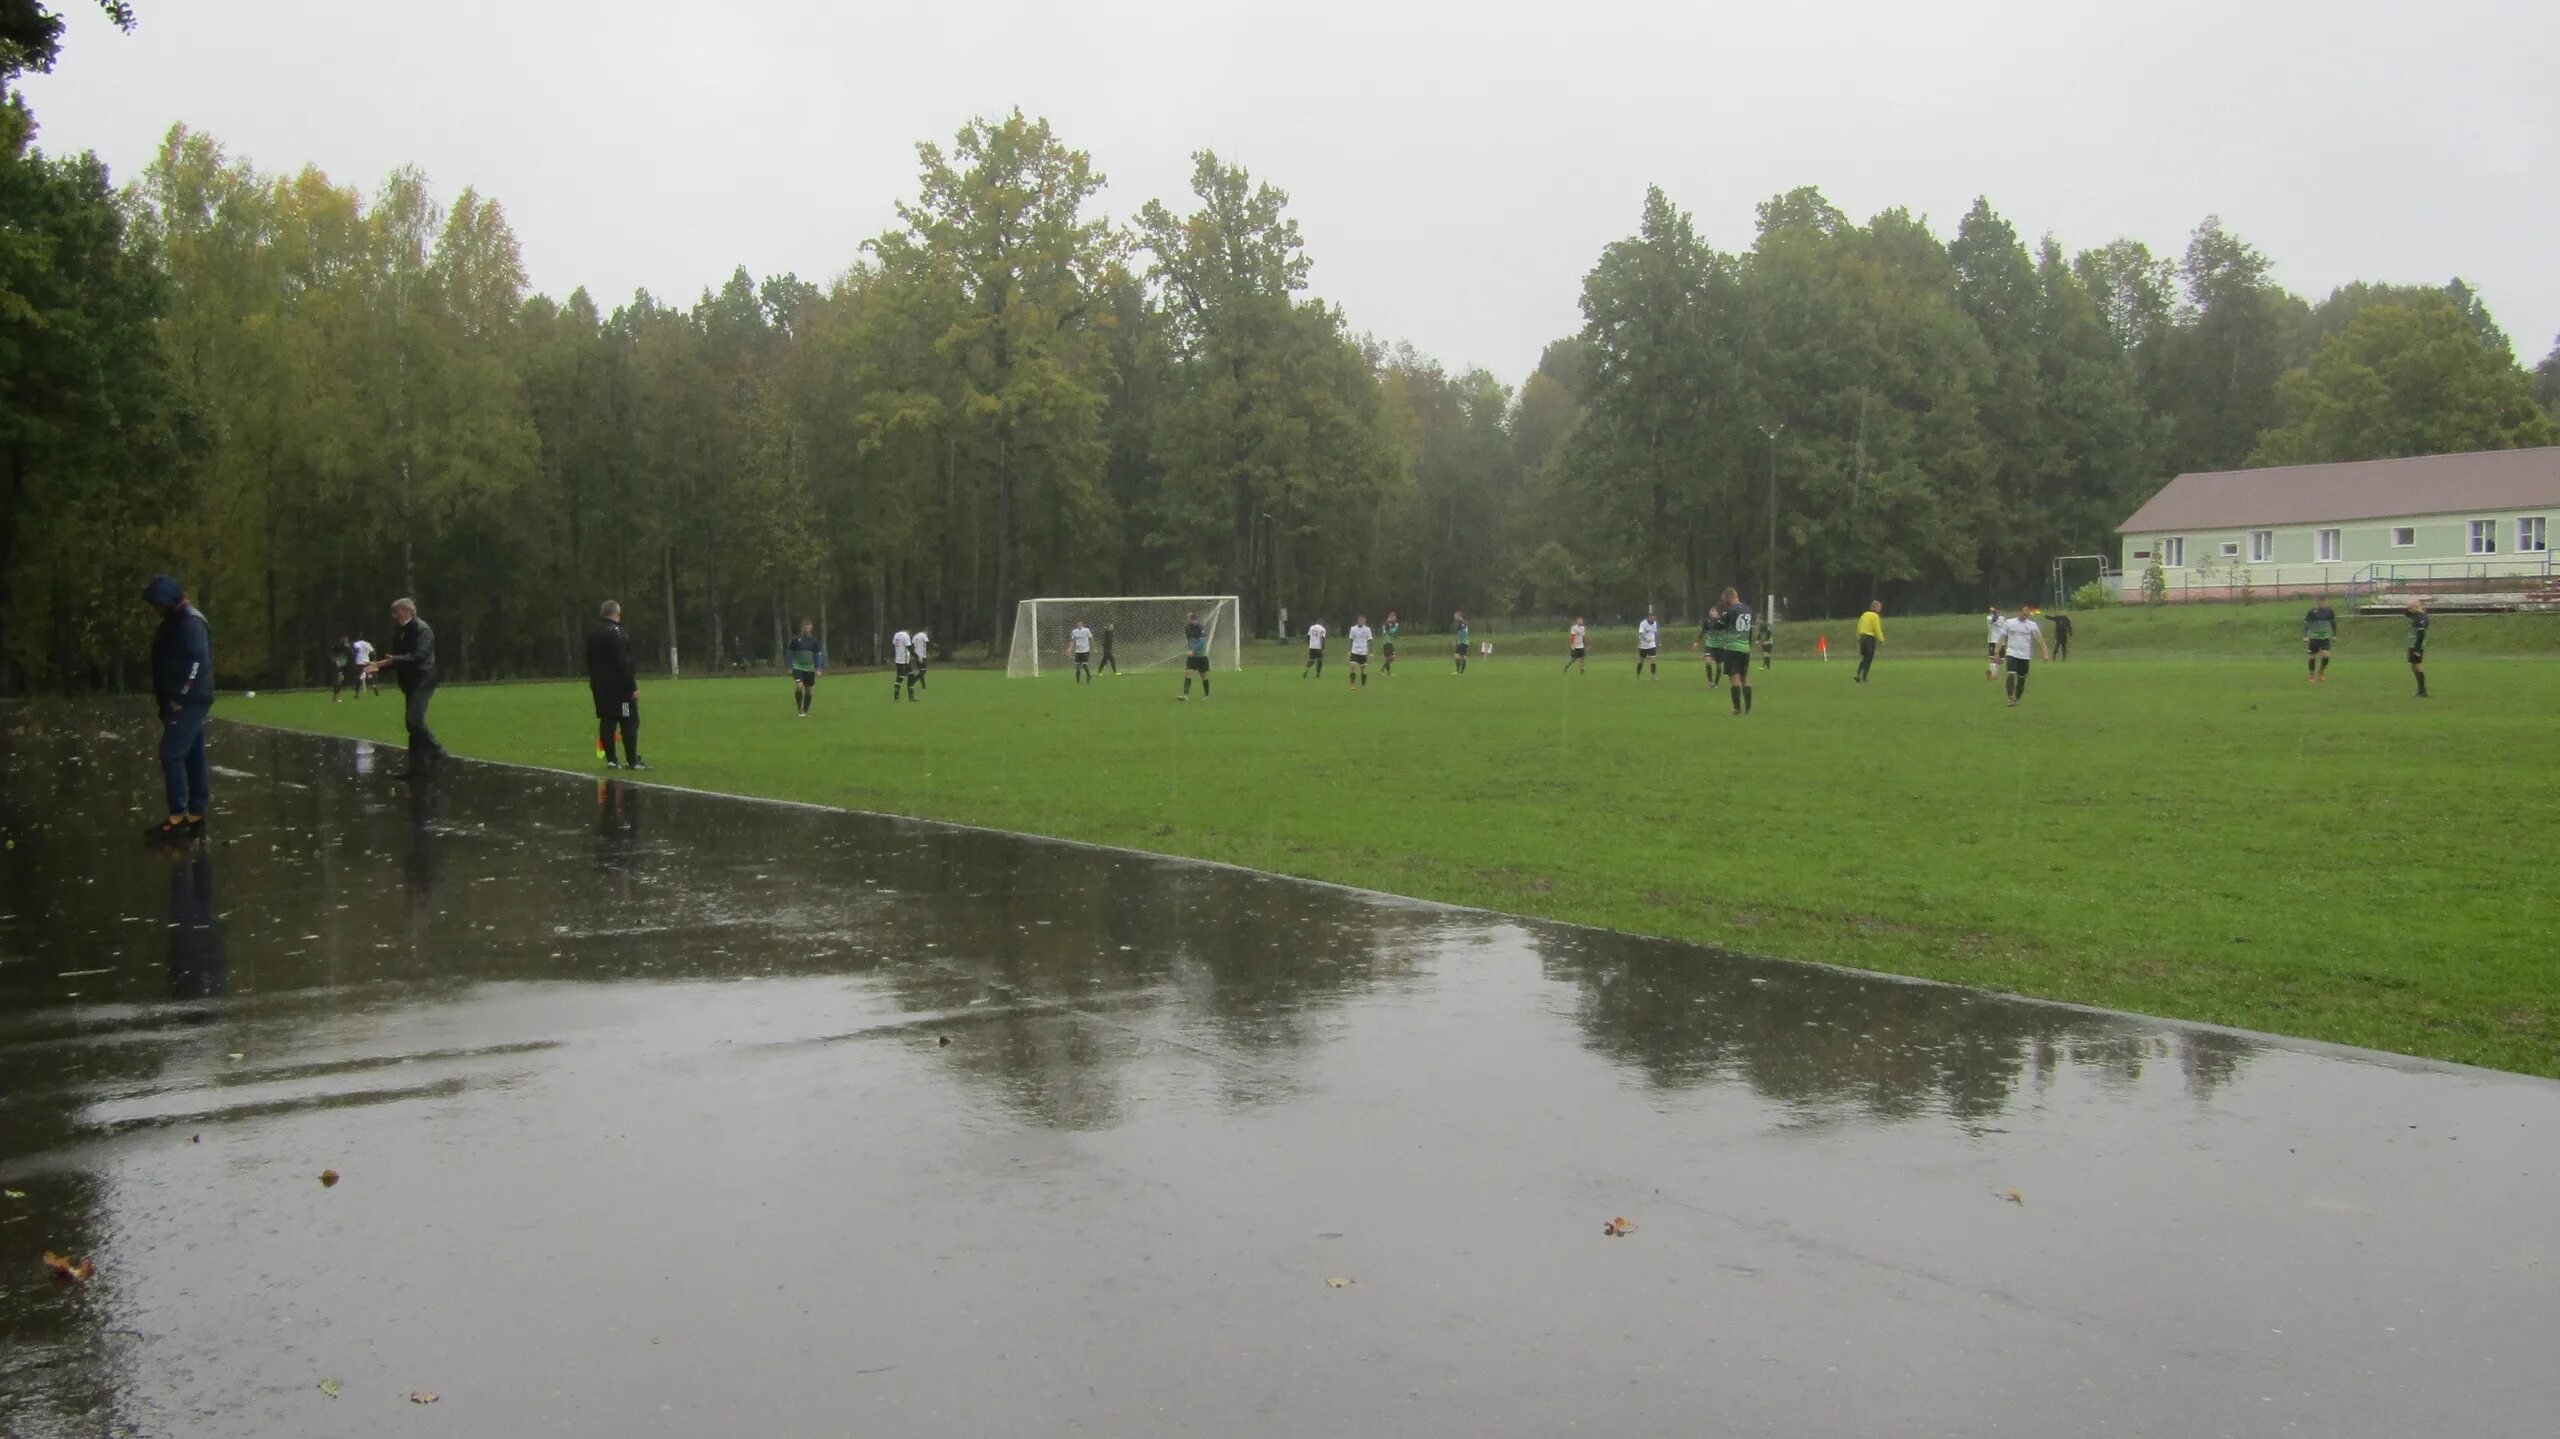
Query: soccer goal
(1142,631)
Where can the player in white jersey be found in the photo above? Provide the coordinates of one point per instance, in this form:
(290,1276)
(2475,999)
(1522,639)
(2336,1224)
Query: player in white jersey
(1359,636)
(902,651)
(2021,636)
(1315,651)
(1576,642)
(364,667)
(923,649)
(1080,644)
(1649,644)
(1992,634)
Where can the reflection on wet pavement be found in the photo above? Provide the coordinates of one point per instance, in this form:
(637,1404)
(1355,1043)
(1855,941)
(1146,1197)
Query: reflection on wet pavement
(660,1113)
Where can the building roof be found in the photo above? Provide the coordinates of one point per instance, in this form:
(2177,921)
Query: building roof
(2482,482)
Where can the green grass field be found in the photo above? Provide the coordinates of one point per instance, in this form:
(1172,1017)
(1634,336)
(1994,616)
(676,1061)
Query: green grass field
(2209,837)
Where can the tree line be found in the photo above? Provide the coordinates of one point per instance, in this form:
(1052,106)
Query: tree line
(304,398)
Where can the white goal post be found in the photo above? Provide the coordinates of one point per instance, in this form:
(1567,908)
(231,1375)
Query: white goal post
(1143,631)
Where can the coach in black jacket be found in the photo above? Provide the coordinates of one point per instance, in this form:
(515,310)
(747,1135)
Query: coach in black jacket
(615,682)
(413,653)
(182,683)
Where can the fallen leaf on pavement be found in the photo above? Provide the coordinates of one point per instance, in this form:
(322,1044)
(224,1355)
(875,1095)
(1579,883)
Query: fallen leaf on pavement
(69,1271)
(328,1179)
(1619,1228)
(423,1396)
(2014,1197)
(239,1056)
(329,1387)
(1338,1282)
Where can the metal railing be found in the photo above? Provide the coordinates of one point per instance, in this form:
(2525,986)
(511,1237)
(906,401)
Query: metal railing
(2471,576)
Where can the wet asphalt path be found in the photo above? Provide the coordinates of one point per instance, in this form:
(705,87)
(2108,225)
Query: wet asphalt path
(669,1114)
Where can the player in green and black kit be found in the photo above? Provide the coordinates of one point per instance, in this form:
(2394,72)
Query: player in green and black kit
(1726,636)
(2418,642)
(1461,618)
(1388,634)
(807,663)
(2318,628)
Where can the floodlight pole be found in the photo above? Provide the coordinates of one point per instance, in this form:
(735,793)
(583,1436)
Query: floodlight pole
(1771,573)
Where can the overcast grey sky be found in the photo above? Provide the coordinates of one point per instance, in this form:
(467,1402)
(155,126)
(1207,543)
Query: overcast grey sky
(1455,168)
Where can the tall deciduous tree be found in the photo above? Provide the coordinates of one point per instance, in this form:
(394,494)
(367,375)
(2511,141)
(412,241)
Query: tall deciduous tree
(2405,379)
(1001,222)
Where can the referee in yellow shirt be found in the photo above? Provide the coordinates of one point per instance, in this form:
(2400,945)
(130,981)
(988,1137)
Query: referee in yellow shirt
(1870,635)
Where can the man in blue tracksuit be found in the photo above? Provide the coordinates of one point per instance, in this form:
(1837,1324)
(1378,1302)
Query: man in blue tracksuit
(182,685)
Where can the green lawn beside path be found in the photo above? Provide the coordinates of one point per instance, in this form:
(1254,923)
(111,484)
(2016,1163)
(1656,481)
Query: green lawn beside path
(2175,822)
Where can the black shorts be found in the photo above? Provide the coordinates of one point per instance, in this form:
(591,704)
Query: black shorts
(1992,650)
(2417,656)
(1579,652)
(1461,647)
(1314,655)
(1643,652)
(2318,646)
(1363,660)
(1391,649)
(806,679)
(1196,662)
(1734,662)
(905,667)
(2018,664)
(1084,657)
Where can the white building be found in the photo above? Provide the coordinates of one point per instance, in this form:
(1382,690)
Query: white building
(2475,522)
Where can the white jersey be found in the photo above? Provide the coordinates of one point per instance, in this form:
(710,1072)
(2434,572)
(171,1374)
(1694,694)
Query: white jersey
(2022,635)
(1576,633)
(920,645)
(1359,639)
(1648,634)
(1315,636)
(364,652)
(1995,627)
(901,647)
(1082,639)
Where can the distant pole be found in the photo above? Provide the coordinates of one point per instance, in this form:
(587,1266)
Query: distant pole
(1771,573)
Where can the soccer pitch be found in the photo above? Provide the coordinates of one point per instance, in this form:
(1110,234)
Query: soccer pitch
(2212,839)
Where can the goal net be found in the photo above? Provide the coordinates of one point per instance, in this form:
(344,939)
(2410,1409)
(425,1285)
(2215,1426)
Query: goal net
(1142,631)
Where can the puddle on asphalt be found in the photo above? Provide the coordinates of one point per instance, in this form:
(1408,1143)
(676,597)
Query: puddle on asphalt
(657,1110)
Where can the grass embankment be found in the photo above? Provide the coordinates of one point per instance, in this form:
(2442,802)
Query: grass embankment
(2218,841)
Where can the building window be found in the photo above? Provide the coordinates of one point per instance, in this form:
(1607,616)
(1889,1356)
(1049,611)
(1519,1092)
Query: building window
(2331,551)
(2404,537)
(2231,549)
(2529,535)
(2173,554)
(2484,537)
(2262,546)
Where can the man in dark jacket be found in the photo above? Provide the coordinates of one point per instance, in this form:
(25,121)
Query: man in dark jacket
(413,652)
(182,684)
(615,682)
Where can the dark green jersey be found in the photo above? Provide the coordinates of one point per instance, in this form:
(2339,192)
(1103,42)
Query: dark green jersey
(1728,627)
(1390,633)
(804,653)
(2418,630)
(2320,624)
(1462,634)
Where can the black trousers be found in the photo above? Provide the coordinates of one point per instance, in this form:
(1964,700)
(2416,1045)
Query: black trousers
(423,748)
(1866,654)
(622,715)
(1109,662)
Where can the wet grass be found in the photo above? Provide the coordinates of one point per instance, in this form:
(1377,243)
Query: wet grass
(2210,838)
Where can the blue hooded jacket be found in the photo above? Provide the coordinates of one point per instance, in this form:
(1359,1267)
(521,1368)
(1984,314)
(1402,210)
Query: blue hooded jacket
(182,653)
